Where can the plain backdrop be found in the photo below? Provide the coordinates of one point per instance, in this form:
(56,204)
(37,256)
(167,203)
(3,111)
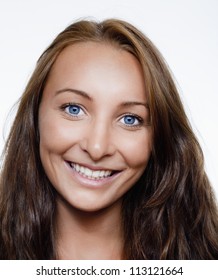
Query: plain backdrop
(185,31)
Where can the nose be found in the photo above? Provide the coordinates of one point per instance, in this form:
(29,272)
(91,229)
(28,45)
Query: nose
(97,141)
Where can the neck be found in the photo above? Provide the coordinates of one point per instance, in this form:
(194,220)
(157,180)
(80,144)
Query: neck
(88,235)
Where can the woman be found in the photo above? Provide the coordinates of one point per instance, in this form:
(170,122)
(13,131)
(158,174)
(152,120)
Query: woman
(101,162)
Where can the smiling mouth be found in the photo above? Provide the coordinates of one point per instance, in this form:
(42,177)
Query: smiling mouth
(92,174)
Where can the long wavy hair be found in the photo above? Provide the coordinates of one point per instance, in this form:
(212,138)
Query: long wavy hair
(170,213)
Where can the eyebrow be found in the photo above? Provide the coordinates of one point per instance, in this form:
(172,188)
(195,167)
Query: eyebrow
(134,103)
(87,96)
(76,91)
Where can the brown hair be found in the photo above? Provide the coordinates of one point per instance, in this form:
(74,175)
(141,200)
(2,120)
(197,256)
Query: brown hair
(170,213)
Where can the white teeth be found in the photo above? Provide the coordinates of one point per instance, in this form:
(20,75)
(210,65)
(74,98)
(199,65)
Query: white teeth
(77,167)
(98,174)
(88,172)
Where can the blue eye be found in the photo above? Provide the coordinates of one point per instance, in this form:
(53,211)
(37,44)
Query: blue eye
(130,120)
(74,110)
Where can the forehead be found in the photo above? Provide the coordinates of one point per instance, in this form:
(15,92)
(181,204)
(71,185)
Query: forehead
(93,66)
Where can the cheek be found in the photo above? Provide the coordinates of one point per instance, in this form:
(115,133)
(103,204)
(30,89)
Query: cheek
(52,134)
(57,134)
(137,149)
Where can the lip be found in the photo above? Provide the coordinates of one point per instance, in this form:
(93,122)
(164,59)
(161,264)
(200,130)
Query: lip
(92,183)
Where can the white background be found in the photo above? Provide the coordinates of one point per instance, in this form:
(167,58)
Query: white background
(185,31)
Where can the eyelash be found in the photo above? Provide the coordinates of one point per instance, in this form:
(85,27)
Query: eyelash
(139,119)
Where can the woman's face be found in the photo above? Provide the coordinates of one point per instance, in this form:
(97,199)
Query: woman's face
(95,137)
